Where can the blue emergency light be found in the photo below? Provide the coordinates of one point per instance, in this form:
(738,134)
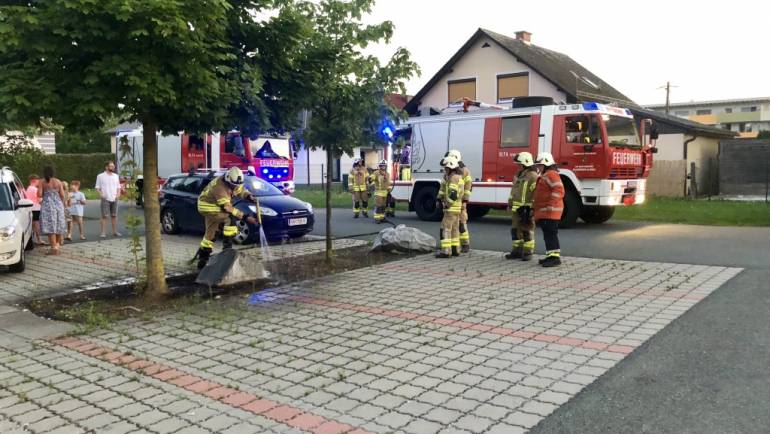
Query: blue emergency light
(590,106)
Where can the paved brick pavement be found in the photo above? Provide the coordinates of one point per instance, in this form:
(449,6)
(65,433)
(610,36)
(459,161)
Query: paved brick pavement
(91,265)
(469,345)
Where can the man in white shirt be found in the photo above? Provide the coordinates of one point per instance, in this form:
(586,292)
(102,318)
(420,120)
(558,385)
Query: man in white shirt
(108,186)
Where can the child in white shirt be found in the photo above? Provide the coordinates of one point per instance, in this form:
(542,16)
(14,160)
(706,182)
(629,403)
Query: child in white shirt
(77,202)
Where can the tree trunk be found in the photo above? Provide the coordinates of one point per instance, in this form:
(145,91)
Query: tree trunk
(156,273)
(328,200)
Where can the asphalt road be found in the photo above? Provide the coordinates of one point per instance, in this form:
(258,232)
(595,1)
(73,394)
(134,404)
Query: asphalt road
(708,372)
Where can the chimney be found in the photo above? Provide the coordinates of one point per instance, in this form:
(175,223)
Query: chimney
(523,35)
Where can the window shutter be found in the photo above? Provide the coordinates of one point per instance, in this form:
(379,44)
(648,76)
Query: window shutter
(512,85)
(461,88)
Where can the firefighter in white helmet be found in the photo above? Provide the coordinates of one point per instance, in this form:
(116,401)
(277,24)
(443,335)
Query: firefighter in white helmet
(548,205)
(465,234)
(382,187)
(450,196)
(520,203)
(215,205)
(358,187)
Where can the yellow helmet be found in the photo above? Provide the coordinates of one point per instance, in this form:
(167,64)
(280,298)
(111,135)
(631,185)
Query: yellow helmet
(234,176)
(545,158)
(523,158)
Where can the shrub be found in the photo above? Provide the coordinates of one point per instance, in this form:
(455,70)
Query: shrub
(24,159)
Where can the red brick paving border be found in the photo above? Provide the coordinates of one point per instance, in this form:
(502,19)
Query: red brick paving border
(285,414)
(484,328)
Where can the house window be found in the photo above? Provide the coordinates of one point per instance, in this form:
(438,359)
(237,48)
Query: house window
(729,110)
(461,88)
(682,113)
(510,86)
(515,132)
(703,112)
(749,109)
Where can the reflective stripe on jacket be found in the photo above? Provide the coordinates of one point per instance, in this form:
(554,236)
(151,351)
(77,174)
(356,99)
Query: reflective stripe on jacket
(357,180)
(381,183)
(522,191)
(451,193)
(549,196)
(217,197)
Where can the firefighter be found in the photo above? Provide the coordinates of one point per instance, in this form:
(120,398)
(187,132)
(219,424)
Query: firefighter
(382,188)
(548,205)
(358,187)
(520,202)
(465,234)
(215,205)
(450,196)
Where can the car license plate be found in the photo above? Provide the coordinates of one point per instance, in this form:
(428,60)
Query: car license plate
(298,221)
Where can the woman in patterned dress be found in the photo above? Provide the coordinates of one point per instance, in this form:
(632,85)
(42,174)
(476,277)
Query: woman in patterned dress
(52,220)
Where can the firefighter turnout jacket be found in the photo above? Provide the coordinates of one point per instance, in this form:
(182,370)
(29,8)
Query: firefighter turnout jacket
(451,192)
(549,195)
(381,182)
(467,183)
(523,189)
(217,197)
(357,180)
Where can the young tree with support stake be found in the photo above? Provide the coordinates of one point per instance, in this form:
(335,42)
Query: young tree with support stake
(170,65)
(349,100)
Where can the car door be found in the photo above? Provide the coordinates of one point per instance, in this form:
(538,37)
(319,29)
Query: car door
(23,215)
(188,201)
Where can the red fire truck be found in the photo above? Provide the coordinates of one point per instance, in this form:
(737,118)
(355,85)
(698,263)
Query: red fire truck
(268,156)
(603,159)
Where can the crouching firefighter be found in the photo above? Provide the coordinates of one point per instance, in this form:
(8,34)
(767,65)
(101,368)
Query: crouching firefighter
(467,178)
(215,205)
(382,188)
(520,202)
(450,196)
(359,188)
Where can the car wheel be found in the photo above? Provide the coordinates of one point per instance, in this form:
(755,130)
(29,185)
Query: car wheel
(597,214)
(572,208)
(476,212)
(425,204)
(22,264)
(244,233)
(169,222)
(30,244)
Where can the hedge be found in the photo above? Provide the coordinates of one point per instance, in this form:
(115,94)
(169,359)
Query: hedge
(83,167)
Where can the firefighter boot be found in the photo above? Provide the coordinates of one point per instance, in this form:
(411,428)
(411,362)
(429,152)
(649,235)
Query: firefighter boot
(455,251)
(227,243)
(514,254)
(365,209)
(442,254)
(551,261)
(526,256)
(356,210)
(204,253)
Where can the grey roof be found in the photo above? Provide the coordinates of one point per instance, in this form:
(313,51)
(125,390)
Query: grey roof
(125,126)
(669,123)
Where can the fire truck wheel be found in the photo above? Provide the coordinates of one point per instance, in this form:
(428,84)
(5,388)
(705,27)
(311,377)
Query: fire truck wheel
(425,204)
(476,212)
(597,214)
(572,207)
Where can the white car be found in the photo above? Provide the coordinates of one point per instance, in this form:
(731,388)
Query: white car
(15,222)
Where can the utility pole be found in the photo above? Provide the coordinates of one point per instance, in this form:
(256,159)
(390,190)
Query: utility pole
(668,87)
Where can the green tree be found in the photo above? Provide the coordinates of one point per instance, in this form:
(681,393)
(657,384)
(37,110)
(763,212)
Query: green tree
(171,65)
(763,135)
(348,99)
(82,143)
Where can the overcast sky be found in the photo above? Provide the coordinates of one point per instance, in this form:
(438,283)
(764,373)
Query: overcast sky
(710,50)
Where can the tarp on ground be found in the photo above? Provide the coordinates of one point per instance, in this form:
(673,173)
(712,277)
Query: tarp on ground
(403,239)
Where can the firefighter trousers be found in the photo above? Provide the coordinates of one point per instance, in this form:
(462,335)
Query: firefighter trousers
(465,234)
(380,201)
(523,234)
(450,232)
(550,230)
(212,222)
(360,202)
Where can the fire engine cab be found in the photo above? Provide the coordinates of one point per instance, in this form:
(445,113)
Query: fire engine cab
(602,157)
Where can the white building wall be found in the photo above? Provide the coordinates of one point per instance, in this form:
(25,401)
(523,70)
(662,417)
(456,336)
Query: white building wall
(485,64)
(670,147)
(315,162)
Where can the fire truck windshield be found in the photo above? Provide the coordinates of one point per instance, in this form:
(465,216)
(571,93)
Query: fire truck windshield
(621,132)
